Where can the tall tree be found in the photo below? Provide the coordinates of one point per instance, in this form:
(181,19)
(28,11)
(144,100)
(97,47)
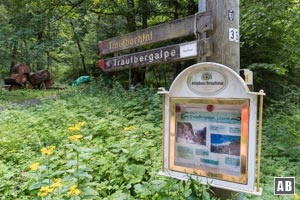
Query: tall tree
(269,35)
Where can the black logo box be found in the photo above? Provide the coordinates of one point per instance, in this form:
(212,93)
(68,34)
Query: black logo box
(284,185)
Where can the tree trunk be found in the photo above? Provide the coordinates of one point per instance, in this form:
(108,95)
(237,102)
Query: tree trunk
(79,48)
(137,74)
(13,56)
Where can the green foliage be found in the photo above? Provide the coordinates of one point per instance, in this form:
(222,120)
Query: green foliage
(23,96)
(117,153)
(62,36)
(269,36)
(103,142)
(120,153)
(267,30)
(281,139)
(270,47)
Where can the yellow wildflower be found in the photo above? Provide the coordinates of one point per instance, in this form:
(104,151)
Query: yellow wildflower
(34,166)
(57,183)
(77,126)
(129,128)
(296,196)
(44,191)
(74,191)
(48,150)
(44,150)
(74,128)
(75,138)
(51,148)
(81,124)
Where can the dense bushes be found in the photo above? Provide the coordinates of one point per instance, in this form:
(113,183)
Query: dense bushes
(97,143)
(103,142)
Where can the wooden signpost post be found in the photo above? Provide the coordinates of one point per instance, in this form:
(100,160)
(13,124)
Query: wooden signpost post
(225,37)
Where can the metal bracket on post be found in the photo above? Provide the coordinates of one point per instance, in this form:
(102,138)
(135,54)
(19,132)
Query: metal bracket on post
(261,95)
(261,99)
(164,92)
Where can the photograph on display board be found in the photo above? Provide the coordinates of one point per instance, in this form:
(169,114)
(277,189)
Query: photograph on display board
(208,138)
(186,134)
(225,144)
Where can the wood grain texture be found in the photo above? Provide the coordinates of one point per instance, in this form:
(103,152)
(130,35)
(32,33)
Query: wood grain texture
(224,51)
(166,31)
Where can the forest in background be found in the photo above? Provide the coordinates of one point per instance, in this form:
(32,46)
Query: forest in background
(62,36)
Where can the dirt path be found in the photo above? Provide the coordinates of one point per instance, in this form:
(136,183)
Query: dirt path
(30,102)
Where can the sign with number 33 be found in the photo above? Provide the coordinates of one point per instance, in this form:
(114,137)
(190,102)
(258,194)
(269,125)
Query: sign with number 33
(234,35)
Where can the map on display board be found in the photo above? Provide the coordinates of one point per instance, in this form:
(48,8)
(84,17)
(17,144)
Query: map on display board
(210,138)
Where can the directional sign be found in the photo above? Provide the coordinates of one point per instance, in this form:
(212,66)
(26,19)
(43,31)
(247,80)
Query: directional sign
(197,23)
(172,53)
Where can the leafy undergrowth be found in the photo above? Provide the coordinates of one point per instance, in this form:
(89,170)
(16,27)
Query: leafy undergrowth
(23,95)
(95,143)
(106,143)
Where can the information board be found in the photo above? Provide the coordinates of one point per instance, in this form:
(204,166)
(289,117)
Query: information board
(210,119)
(210,137)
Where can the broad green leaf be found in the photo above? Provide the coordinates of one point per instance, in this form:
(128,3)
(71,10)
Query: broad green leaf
(71,163)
